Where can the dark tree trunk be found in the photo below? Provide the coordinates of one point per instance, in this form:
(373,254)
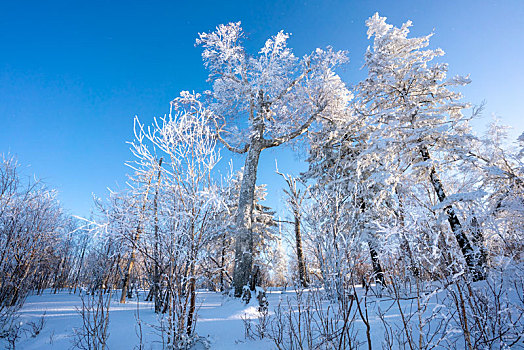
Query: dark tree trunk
(302,273)
(222,263)
(378,273)
(478,240)
(474,260)
(192,303)
(127,275)
(57,277)
(404,245)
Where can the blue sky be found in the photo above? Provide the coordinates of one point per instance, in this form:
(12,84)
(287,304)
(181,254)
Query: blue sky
(74,74)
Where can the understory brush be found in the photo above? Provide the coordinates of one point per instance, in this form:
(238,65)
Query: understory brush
(308,321)
(93,333)
(12,329)
(455,312)
(448,313)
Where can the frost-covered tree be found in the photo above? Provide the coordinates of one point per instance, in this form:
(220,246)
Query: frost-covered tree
(34,241)
(31,232)
(111,243)
(262,101)
(414,118)
(342,166)
(264,227)
(331,232)
(295,197)
(190,205)
(500,173)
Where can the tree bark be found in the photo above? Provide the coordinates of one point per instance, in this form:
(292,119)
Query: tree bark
(378,273)
(302,273)
(244,238)
(156,273)
(192,303)
(473,259)
(127,275)
(222,263)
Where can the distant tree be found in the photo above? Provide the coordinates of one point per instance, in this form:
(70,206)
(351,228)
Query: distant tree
(295,198)
(279,265)
(111,244)
(261,102)
(33,239)
(343,169)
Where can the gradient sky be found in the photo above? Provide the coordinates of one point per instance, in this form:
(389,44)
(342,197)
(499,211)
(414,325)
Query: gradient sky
(74,74)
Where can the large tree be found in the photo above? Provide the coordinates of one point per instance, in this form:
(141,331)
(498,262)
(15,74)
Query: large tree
(414,119)
(262,101)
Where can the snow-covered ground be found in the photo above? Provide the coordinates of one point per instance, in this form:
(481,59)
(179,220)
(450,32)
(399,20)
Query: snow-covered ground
(219,320)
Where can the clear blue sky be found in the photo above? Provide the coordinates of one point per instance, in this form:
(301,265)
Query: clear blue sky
(74,74)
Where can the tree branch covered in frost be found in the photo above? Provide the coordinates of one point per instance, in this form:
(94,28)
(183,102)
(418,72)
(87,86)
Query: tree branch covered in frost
(275,88)
(266,99)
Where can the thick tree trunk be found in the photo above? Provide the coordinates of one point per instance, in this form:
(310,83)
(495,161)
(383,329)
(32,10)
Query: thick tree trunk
(244,238)
(127,276)
(302,273)
(473,259)
(378,273)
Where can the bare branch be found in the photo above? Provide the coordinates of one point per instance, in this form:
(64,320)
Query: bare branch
(226,144)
